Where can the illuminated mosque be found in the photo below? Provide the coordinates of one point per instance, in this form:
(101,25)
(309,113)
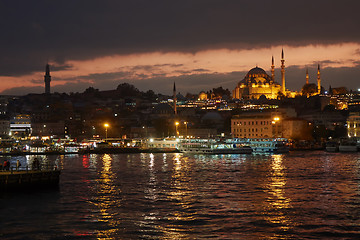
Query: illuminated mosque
(257,83)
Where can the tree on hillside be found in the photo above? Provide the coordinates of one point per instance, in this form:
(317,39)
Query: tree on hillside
(127,90)
(221,93)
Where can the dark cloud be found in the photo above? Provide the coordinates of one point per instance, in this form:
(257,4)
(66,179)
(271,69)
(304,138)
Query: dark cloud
(169,65)
(326,62)
(102,76)
(200,70)
(34,32)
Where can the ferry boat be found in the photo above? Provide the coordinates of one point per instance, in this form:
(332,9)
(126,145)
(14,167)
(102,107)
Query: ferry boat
(332,146)
(266,145)
(213,146)
(348,145)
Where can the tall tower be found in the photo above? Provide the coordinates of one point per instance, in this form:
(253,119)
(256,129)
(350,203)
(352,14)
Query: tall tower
(272,70)
(318,80)
(307,76)
(174,98)
(282,72)
(47,79)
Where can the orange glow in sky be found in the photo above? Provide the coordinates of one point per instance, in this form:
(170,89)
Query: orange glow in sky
(140,67)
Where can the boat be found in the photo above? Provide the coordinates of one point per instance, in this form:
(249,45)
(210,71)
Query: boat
(212,146)
(348,145)
(332,146)
(266,145)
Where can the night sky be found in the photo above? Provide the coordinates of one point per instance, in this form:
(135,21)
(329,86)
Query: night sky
(199,44)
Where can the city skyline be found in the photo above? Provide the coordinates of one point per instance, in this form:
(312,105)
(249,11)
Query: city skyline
(199,45)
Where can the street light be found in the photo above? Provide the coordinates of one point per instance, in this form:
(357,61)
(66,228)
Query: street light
(176,128)
(276,124)
(106,125)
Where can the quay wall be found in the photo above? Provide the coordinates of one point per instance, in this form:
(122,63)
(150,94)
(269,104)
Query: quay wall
(29,180)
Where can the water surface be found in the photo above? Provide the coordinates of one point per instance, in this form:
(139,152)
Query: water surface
(300,195)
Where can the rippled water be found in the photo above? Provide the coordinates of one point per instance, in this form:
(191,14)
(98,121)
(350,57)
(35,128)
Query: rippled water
(174,196)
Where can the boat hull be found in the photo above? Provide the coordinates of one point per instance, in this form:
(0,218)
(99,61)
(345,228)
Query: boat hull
(345,148)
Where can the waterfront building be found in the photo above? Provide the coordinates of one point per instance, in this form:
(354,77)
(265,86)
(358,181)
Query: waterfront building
(329,119)
(342,102)
(20,126)
(296,129)
(257,125)
(281,122)
(4,127)
(4,101)
(353,124)
(48,128)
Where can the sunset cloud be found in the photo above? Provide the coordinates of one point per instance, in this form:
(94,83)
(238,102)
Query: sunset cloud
(141,69)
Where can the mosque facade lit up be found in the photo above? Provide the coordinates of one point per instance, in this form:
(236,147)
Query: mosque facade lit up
(257,83)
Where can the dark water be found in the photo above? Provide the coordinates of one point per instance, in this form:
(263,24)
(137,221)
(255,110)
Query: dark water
(300,195)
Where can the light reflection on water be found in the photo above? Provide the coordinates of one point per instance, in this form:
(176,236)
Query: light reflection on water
(176,196)
(276,200)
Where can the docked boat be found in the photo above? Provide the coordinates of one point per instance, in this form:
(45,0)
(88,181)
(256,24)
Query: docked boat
(332,146)
(213,146)
(266,145)
(348,145)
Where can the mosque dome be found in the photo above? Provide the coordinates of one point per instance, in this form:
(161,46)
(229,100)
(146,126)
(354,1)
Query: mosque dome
(256,71)
(256,75)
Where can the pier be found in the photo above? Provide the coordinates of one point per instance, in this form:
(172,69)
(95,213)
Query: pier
(29,180)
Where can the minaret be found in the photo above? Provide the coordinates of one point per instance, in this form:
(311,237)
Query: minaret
(307,76)
(318,80)
(174,98)
(47,79)
(282,72)
(272,70)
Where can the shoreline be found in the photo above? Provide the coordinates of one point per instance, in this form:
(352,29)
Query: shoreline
(96,151)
